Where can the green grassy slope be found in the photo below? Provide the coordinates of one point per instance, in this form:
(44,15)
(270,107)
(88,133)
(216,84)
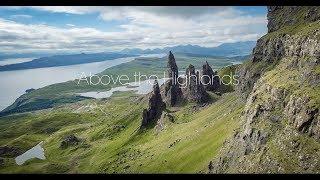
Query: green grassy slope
(111,141)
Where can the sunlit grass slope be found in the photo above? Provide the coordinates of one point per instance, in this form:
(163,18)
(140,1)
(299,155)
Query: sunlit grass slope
(111,141)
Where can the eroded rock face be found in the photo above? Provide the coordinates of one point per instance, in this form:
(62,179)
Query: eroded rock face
(263,106)
(194,91)
(172,93)
(155,109)
(275,117)
(280,16)
(269,51)
(70,140)
(271,48)
(210,80)
(305,119)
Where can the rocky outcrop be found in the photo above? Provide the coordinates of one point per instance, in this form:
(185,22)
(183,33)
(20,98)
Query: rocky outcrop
(194,91)
(155,109)
(273,47)
(280,16)
(305,119)
(210,80)
(280,86)
(7,151)
(70,140)
(172,93)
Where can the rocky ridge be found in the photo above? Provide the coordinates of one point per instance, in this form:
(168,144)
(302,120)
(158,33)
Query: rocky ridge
(280,123)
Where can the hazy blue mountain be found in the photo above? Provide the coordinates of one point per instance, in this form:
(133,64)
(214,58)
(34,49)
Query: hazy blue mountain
(225,49)
(23,55)
(63,60)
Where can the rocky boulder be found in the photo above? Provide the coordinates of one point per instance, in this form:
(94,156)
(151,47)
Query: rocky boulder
(70,140)
(156,106)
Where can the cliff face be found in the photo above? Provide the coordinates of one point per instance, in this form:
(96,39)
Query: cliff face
(279,16)
(293,32)
(281,86)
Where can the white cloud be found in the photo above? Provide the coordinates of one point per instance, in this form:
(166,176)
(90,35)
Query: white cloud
(70,25)
(147,27)
(66,9)
(18,16)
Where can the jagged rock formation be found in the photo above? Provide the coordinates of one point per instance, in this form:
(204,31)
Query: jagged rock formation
(210,80)
(172,93)
(156,106)
(281,86)
(194,90)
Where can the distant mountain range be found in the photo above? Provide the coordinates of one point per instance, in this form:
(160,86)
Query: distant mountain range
(23,55)
(238,49)
(64,60)
(225,49)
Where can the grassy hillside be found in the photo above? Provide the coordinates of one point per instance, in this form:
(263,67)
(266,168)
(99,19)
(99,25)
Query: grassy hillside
(111,142)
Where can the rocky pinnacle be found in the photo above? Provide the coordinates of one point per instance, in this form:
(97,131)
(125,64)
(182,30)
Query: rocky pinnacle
(173,93)
(210,80)
(156,106)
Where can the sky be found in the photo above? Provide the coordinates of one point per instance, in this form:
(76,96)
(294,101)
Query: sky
(57,29)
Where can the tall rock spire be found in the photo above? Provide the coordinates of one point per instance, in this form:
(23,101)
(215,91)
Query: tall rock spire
(156,106)
(172,93)
(210,80)
(172,66)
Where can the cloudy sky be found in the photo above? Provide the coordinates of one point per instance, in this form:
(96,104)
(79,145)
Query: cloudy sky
(97,29)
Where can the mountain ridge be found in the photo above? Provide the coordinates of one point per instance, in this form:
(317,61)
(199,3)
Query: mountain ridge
(64,60)
(240,48)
